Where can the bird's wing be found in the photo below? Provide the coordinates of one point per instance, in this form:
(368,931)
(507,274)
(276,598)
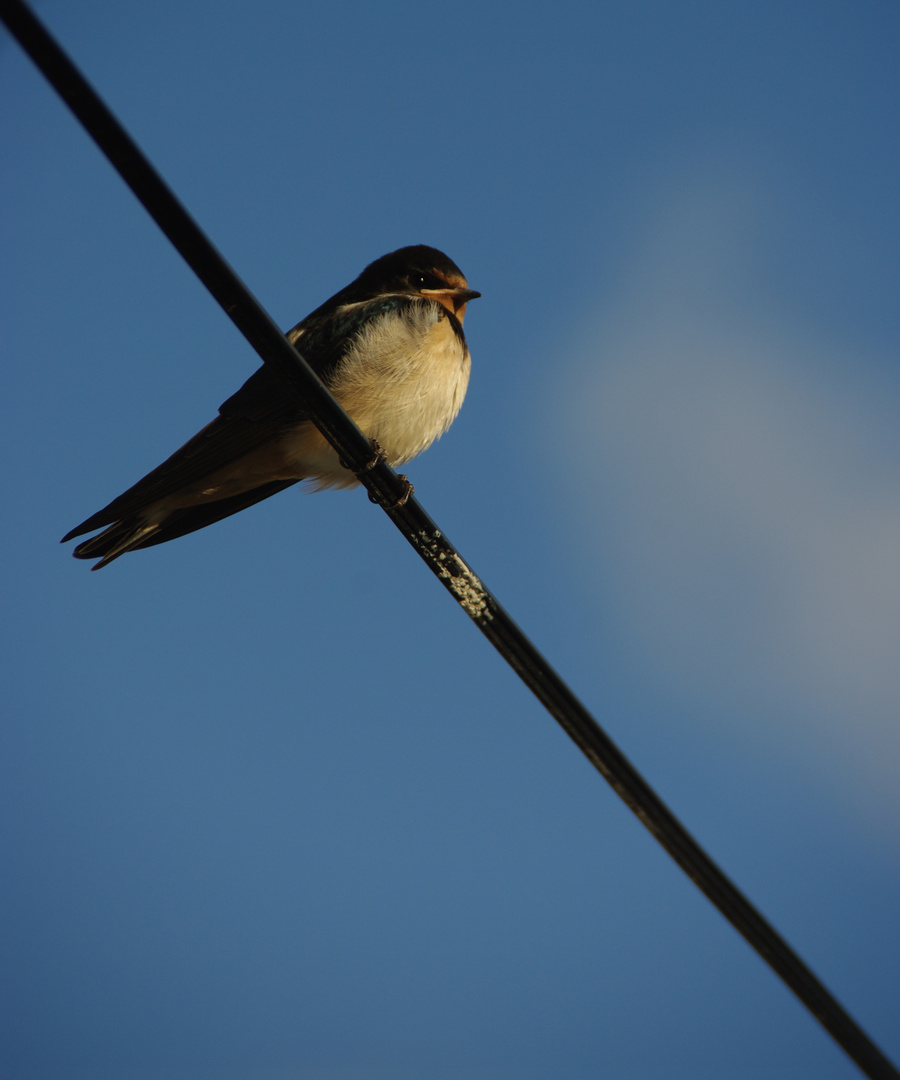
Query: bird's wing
(123,535)
(229,437)
(260,411)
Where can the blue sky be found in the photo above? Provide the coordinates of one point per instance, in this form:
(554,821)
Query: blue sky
(272,808)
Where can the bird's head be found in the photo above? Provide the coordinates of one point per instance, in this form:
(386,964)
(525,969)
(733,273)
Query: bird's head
(420,271)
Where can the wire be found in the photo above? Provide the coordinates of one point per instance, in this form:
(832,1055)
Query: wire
(390,491)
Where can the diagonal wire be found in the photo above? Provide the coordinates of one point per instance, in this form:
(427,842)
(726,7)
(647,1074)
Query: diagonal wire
(388,490)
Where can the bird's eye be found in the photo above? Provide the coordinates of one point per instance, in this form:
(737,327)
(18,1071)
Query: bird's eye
(420,280)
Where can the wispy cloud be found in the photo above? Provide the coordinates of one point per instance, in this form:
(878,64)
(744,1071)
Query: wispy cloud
(744,478)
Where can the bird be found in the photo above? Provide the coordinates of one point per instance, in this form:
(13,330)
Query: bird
(391,349)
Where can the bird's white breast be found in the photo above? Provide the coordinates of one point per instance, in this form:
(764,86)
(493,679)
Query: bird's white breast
(402,380)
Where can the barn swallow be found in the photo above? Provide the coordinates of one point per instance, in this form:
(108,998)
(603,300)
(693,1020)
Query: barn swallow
(390,347)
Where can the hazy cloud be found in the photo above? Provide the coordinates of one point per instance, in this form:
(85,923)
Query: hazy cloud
(745,480)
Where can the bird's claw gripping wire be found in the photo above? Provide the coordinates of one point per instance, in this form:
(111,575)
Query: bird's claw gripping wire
(408,489)
(379,455)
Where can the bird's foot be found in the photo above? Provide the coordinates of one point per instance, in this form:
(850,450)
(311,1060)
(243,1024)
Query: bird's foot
(378,455)
(408,490)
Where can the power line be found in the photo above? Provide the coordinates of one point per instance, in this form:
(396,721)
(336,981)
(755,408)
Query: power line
(390,491)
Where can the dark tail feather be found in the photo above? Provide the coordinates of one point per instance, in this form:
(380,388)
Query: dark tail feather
(133,533)
(115,541)
(95,521)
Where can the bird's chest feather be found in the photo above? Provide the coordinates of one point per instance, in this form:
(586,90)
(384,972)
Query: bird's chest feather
(403,379)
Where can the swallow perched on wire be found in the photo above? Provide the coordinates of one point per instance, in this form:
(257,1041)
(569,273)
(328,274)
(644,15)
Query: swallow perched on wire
(390,347)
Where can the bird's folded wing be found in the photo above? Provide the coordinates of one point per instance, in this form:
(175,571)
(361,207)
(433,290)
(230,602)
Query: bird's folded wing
(257,413)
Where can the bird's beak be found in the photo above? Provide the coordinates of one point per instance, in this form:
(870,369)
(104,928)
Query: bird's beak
(454,300)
